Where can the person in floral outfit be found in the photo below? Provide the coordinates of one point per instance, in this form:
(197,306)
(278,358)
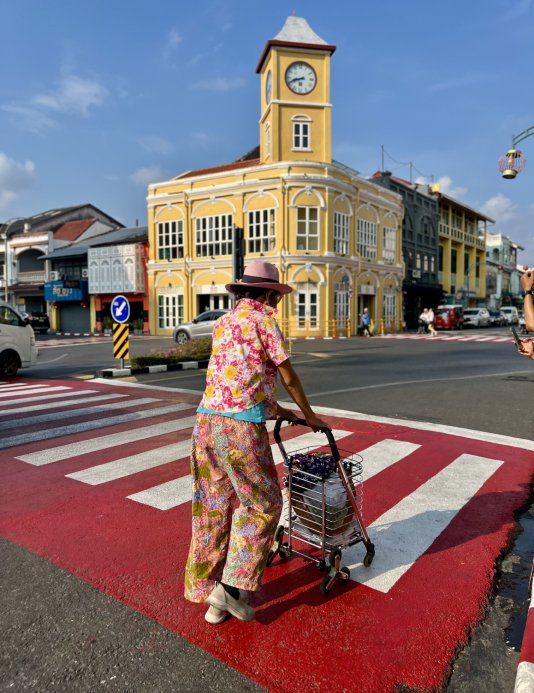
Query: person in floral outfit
(237,500)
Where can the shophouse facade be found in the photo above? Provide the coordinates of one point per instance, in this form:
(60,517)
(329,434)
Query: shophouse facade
(32,238)
(420,245)
(502,276)
(334,236)
(85,276)
(462,251)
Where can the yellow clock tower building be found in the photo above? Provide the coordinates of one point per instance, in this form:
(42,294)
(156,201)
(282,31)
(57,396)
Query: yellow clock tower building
(334,236)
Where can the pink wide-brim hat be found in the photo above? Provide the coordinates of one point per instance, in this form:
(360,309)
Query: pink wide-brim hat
(261,275)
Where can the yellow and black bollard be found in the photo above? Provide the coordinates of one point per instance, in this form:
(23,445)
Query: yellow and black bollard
(121,333)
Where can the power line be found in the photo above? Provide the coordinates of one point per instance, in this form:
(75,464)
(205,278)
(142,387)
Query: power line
(405,163)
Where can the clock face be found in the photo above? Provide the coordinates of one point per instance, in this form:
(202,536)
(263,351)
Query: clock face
(268,87)
(301,78)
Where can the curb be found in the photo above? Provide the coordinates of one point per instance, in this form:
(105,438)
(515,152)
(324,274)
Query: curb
(123,372)
(524,681)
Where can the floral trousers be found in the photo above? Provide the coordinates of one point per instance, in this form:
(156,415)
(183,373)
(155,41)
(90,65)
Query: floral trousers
(237,503)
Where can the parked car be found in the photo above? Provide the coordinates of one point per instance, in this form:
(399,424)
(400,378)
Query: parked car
(17,341)
(522,324)
(476,317)
(511,313)
(449,317)
(199,327)
(38,320)
(497,319)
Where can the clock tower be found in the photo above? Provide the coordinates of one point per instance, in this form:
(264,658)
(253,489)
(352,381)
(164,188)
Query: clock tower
(295,122)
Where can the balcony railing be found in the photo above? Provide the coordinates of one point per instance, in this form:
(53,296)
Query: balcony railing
(30,277)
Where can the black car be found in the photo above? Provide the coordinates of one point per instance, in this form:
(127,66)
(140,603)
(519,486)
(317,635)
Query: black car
(39,321)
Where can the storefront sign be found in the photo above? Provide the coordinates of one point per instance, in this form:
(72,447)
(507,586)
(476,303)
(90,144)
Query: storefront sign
(65,291)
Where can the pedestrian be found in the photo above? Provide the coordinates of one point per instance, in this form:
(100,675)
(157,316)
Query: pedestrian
(237,500)
(423,322)
(366,323)
(527,285)
(430,318)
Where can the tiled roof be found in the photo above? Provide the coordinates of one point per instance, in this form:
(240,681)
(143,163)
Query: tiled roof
(236,165)
(71,230)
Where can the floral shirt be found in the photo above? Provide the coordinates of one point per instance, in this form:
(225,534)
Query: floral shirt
(246,352)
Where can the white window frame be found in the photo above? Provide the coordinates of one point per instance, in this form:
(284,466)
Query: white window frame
(389,307)
(389,244)
(170,310)
(341,302)
(341,233)
(307,236)
(170,236)
(367,234)
(261,231)
(301,134)
(214,235)
(307,306)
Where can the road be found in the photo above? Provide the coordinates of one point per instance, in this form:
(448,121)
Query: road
(441,383)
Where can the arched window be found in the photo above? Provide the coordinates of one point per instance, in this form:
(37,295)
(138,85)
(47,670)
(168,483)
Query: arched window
(301,133)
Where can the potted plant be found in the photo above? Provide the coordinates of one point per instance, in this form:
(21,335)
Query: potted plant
(107,324)
(138,325)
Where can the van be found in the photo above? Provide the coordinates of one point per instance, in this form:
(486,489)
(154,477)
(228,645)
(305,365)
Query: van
(449,317)
(511,314)
(17,341)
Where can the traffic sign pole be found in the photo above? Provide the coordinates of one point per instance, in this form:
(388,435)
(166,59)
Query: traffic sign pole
(120,312)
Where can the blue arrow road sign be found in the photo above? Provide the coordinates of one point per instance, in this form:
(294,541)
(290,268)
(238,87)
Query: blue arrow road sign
(120,309)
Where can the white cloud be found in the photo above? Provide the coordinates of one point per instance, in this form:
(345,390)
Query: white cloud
(156,145)
(29,119)
(73,95)
(446,186)
(146,175)
(220,84)
(173,40)
(500,208)
(14,178)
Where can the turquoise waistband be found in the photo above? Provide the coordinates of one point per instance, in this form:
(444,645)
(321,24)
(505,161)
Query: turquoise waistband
(255,414)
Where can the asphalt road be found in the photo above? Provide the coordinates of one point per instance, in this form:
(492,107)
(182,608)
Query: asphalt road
(482,386)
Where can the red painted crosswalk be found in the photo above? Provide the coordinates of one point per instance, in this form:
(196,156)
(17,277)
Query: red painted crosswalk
(94,478)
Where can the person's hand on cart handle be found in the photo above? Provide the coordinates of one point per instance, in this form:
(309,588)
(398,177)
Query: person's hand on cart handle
(288,414)
(315,423)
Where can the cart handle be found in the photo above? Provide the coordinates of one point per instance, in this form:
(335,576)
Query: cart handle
(303,422)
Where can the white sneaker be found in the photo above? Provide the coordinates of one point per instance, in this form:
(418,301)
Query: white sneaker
(215,616)
(223,601)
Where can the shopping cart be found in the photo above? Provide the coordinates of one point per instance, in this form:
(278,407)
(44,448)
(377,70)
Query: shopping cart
(323,509)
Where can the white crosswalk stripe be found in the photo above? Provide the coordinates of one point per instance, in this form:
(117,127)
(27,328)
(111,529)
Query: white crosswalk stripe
(410,527)
(117,469)
(47,396)
(84,426)
(34,389)
(59,404)
(73,413)
(69,450)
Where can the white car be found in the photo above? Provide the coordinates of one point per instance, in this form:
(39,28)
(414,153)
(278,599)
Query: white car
(17,341)
(522,324)
(476,317)
(511,314)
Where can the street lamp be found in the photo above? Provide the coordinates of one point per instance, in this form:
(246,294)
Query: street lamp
(4,236)
(513,162)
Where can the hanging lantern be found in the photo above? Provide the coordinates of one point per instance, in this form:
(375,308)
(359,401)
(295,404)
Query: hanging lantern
(512,163)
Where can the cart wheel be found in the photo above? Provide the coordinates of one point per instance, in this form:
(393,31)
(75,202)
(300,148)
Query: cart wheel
(326,587)
(344,574)
(322,565)
(335,553)
(284,551)
(279,534)
(369,556)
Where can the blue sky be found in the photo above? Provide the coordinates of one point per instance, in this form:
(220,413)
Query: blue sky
(97,99)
